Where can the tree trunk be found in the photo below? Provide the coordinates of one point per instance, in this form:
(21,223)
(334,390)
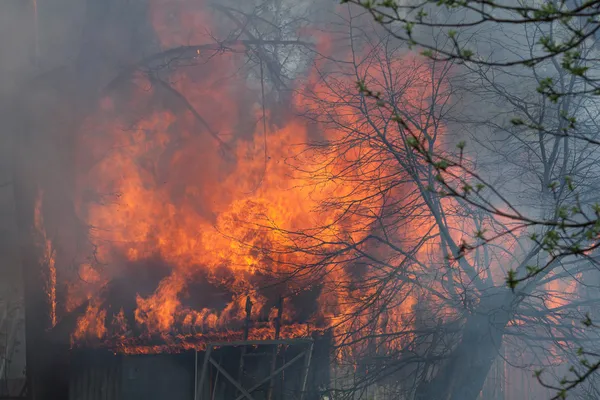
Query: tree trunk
(462,377)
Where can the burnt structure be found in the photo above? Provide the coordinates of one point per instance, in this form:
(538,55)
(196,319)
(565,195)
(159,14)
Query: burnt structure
(210,366)
(204,366)
(228,370)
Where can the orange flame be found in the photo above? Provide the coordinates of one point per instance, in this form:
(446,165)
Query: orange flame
(48,257)
(157,190)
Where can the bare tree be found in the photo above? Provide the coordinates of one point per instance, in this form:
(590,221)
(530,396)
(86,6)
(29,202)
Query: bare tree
(546,72)
(456,194)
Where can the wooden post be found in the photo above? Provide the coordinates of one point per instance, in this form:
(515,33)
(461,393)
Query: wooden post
(307,360)
(235,383)
(195,375)
(277,323)
(216,385)
(248,317)
(246,333)
(205,366)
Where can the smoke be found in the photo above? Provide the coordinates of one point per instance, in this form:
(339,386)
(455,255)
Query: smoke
(78,69)
(16,66)
(523,164)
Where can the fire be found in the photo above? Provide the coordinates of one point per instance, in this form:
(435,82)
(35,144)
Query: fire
(48,257)
(184,228)
(91,324)
(191,213)
(241,246)
(181,343)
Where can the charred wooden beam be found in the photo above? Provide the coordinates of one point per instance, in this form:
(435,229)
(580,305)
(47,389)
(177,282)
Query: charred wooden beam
(248,317)
(237,343)
(307,361)
(237,385)
(203,373)
(167,57)
(275,373)
(246,332)
(242,392)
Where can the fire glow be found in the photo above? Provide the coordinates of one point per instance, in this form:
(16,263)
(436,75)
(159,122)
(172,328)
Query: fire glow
(48,258)
(230,233)
(183,228)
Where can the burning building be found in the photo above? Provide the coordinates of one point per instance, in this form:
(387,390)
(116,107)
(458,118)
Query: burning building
(180,303)
(168,244)
(193,244)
